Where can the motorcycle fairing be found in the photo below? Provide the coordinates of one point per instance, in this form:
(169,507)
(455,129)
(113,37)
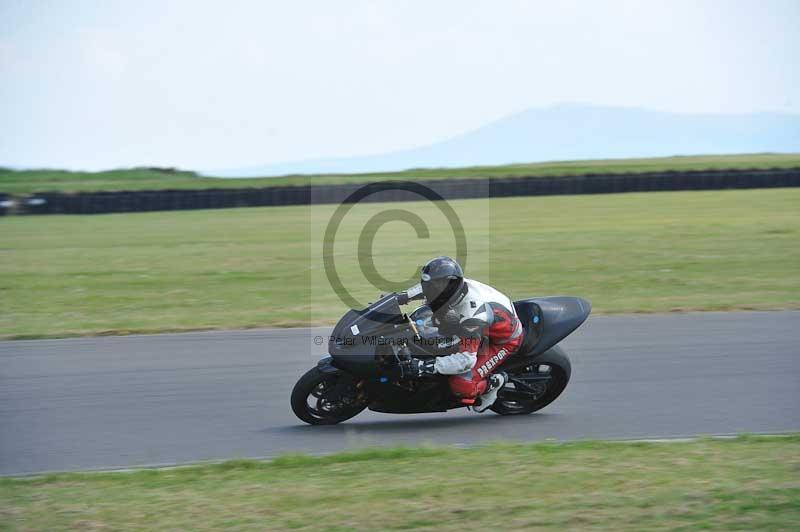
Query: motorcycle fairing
(548,320)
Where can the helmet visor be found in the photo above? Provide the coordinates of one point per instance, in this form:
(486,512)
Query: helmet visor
(439,291)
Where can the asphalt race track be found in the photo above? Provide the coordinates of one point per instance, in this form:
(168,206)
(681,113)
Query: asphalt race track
(143,400)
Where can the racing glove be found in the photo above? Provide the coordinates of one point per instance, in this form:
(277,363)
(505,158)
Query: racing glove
(416,368)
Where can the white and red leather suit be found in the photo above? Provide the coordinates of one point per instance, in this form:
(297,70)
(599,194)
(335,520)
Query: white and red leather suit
(490,332)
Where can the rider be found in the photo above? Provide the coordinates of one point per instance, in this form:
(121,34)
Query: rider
(482,317)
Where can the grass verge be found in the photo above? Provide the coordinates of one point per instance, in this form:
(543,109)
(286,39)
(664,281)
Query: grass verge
(747,483)
(29,181)
(240,268)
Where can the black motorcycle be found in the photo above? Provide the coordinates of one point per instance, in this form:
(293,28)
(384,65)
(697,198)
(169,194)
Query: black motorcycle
(367,349)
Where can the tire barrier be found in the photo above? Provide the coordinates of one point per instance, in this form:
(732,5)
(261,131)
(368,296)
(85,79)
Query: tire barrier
(6,204)
(170,200)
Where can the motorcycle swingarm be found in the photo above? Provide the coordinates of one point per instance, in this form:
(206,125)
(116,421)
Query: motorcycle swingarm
(522,384)
(515,395)
(530,377)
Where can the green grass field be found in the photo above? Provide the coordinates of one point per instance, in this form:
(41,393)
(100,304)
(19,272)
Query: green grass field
(166,271)
(23,182)
(749,483)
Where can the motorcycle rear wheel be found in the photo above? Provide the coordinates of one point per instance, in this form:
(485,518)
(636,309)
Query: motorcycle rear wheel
(557,366)
(321,398)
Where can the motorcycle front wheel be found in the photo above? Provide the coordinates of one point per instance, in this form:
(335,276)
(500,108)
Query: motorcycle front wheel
(321,398)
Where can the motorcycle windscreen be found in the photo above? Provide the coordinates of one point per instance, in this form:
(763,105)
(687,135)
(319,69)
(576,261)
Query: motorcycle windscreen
(376,319)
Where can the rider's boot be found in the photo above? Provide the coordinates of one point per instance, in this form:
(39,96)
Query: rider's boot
(494,382)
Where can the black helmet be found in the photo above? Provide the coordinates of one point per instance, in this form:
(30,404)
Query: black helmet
(442,278)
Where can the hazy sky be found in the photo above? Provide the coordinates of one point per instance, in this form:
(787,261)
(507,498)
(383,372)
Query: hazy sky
(208,85)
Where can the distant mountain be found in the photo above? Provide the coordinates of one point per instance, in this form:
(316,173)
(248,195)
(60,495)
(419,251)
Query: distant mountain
(570,132)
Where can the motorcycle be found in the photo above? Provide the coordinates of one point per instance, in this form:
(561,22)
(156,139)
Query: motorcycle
(367,349)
